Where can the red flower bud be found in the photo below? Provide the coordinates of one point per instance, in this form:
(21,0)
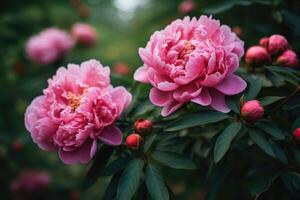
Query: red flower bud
(187,6)
(133,141)
(264,42)
(296,133)
(143,126)
(277,44)
(17,146)
(257,55)
(252,111)
(122,69)
(287,59)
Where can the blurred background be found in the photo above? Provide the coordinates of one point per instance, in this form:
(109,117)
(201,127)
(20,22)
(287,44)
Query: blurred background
(122,27)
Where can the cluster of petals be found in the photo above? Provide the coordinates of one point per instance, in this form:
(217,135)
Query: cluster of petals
(49,46)
(273,49)
(78,108)
(192,60)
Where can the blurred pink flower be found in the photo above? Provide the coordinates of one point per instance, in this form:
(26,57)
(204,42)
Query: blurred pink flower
(257,55)
(30,182)
(277,44)
(78,108)
(49,46)
(84,34)
(121,69)
(288,59)
(186,6)
(192,60)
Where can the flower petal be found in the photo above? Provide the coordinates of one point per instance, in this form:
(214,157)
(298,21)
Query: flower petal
(111,135)
(231,85)
(141,74)
(160,98)
(218,101)
(203,98)
(168,109)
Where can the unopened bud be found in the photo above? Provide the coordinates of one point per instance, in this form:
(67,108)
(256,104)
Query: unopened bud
(252,111)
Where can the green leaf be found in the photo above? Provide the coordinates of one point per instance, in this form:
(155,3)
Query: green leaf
(130,179)
(233,103)
(292,181)
(293,103)
(155,183)
(269,100)
(224,140)
(296,123)
(111,189)
(253,88)
(259,138)
(101,158)
(284,74)
(196,119)
(271,129)
(174,160)
(279,153)
(149,141)
(115,166)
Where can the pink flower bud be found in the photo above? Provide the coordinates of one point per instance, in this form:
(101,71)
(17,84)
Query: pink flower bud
(143,126)
(121,68)
(133,141)
(252,111)
(287,59)
(84,34)
(257,55)
(187,6)
(277,44)
(264,42)
(296,133)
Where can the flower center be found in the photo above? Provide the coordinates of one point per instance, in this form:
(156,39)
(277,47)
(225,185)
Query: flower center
(184,53)
(73,100)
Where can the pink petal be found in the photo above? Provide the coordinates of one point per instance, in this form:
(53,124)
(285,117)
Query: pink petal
(218,101)
(167,86)
(121,97)
(160,98)
(187,92)
(203,98)
(141,74)
(168,109)
(82,154)
(111,135)
(231,85)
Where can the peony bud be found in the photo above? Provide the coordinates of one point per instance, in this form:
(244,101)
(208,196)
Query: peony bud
(252,111)
(84,34)
(264,42)
(133,141)
(257,55)
(121,69)
(17,146)
(187,6)
(143,126)
(277,44)
(287,59)
(296,133)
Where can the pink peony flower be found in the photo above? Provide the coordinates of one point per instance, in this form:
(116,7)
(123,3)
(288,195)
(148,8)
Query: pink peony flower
(277,44)
(288,59)
(192,60)
(257,55)
(78,108)
(252,111)
(30,182)
(49,46)
(84,34)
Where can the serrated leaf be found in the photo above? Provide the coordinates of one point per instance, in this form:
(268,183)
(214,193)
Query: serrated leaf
(196,119)
(173,160)
(155,183)
(101,158)
(130,179)
(269,100)
(259,138)
(224,140)
(115,166)
(271,129)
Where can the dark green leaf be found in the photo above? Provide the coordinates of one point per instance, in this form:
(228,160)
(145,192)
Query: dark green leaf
(284,74)
(234,103)
(296,123)
(279,153)
(259,138)
(253,88)
(130,179)
(155,183)
(115,166)
(149,141)
(224,140)
(196,119)
(292,181)
(269,100)
(293,103)
(111,189)
(270,128)
(174,160)
(101,158)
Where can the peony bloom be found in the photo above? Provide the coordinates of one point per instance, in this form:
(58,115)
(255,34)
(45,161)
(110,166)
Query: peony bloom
(192,60)
(49,46)
(29,182)
(277,44)
(186,6)
(288,59)
(252,111)
(84,34)
(78,108)
(257,55)
(133,141)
